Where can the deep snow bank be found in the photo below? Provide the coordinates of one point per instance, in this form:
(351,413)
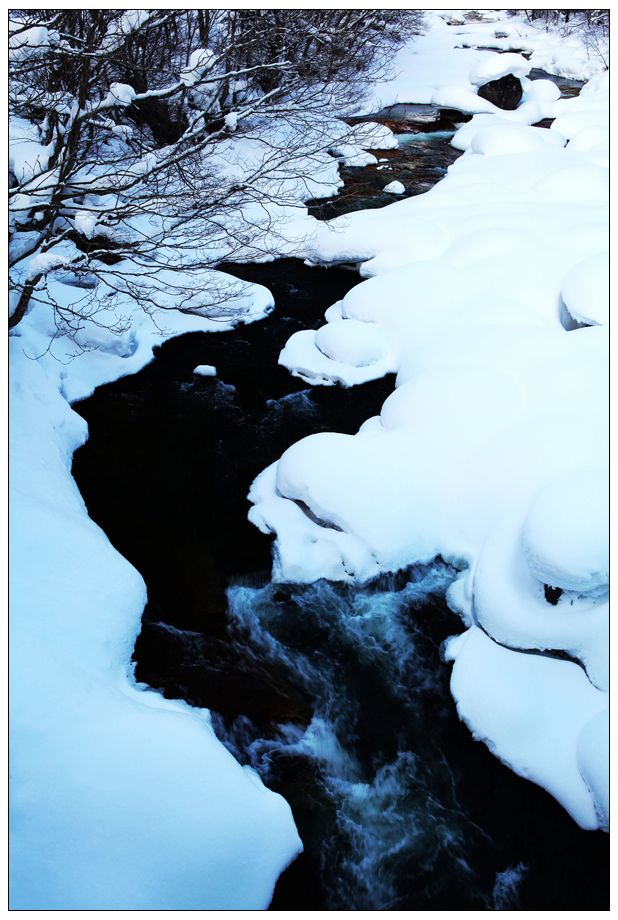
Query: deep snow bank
(491,452)
(119,799)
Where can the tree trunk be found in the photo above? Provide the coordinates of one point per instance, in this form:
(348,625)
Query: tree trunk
(22,304)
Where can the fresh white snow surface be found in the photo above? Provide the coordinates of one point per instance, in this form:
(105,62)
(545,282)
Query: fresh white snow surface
(535,713)
(491,452)
(495,66)
(395,188)
(585,290)
(120,799)
(205,370)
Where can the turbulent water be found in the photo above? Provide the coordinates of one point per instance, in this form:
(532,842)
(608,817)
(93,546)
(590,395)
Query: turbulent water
(388,795)
(336,695)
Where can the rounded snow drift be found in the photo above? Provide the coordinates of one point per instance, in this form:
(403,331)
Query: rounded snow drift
(585,290)
(505,140)
(566,533)
(394,188)
(351,342)
(542,91)
(495,66)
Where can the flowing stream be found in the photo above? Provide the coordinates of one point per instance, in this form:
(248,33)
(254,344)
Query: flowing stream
(336,695)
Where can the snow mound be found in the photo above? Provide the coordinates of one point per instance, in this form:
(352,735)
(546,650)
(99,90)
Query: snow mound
(27,43)
(351,342)
(585,290)
(371,135)
(131,798)
(121,799)
(494,66)
(394,188)
(347,352)
(566,534)
(353,155)
(534,713)
(353,145)
(205,370)
(503,139)
(27,156)
(121,94)
(542,91)
(463,98)
(200,61)
(593,762)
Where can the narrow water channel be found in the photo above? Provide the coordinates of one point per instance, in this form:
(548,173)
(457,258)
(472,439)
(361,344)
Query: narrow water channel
(336,695)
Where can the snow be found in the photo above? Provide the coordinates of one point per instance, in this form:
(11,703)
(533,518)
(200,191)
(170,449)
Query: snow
(585,290)
(593,761)
(498,694)
(394,188)
(44,262)
(494,66)
(566,534)
(353,155)
(491,451)
(120,331)
(120,94)
(504,138)
(205,370)
(27,156)
(26,43)
(343,351)
(371,135)
(85,222)
(509,602)
(128,22)
(131,20)
(200,61)
(355,142)
(120,799)
(462,98)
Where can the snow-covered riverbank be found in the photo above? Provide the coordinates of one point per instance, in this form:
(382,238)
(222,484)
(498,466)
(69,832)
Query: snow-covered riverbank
(492,451)
(124,800)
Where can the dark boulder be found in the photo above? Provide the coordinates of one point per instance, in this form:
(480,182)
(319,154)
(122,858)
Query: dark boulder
(506,92)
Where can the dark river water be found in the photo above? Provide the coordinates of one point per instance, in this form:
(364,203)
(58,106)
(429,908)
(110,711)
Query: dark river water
(336,694)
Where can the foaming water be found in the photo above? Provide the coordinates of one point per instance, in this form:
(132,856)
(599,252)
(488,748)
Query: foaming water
(506,887)
(423,137)
(394,816)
